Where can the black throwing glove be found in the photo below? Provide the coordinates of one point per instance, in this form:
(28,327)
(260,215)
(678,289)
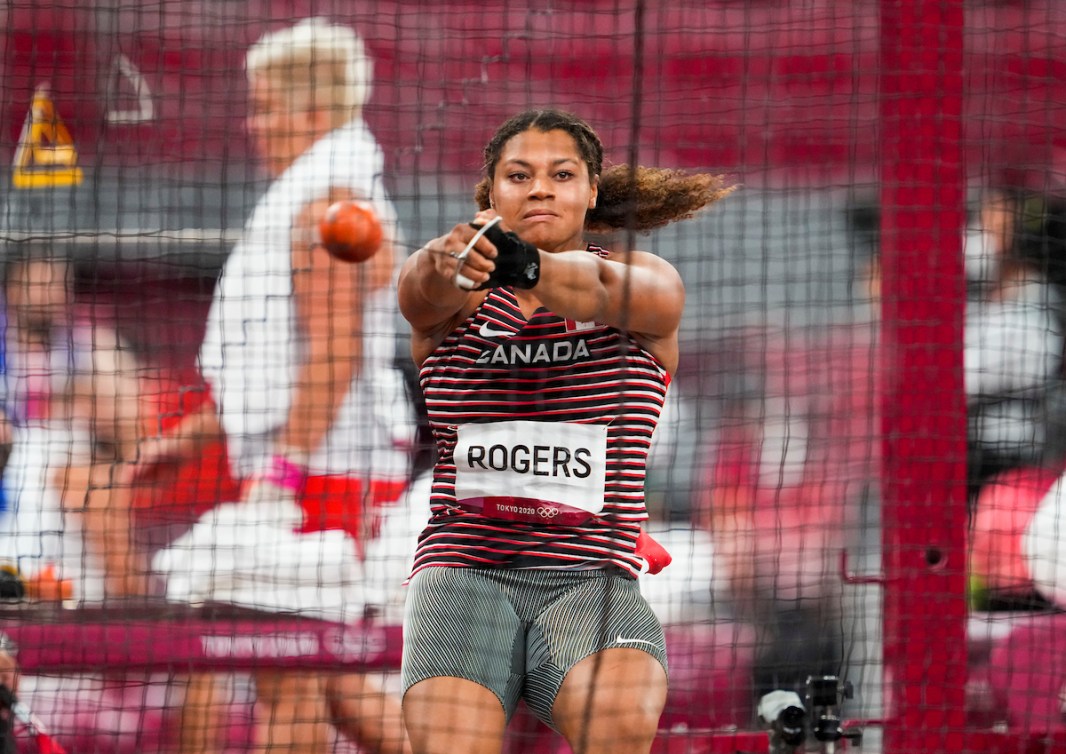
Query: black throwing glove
(517,262)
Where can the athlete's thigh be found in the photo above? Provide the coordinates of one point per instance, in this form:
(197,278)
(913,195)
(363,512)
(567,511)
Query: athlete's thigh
(459,624)
(611,702)
(600,612)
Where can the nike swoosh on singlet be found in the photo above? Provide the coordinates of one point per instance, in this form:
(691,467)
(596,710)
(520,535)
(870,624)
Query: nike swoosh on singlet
(488,331)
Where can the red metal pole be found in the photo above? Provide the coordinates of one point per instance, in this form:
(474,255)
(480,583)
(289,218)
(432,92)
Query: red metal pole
(923,409)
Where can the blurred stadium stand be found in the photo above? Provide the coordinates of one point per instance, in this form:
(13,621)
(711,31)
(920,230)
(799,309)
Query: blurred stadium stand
(784,94)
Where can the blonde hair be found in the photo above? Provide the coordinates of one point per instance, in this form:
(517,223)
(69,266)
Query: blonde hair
(322,65)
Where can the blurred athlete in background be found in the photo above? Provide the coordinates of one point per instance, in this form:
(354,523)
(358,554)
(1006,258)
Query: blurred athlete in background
(299,355)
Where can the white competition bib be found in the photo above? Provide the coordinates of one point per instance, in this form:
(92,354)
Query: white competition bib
(545,472)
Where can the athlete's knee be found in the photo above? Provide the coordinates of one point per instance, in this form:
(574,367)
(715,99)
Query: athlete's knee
(620,730)
(612,702)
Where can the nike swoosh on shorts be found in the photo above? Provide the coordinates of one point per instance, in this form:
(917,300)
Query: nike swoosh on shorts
(623,640)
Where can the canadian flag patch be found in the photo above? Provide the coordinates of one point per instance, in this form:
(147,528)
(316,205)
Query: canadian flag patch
(572,325)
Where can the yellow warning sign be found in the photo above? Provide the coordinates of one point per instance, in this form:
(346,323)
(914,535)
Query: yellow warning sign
(45,156)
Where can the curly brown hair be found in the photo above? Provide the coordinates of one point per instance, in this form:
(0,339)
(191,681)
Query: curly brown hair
(638,198)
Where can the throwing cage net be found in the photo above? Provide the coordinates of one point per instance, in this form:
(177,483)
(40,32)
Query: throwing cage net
(857,470)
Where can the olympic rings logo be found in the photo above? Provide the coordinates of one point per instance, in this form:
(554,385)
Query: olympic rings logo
(545,512)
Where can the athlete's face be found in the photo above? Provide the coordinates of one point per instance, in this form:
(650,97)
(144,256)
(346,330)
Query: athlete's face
(542,189)
(280,130)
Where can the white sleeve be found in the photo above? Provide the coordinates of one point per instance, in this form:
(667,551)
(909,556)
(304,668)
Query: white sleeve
(1011,345)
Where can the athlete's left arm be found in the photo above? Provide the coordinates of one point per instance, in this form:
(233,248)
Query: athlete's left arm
(635,291)
(328,296)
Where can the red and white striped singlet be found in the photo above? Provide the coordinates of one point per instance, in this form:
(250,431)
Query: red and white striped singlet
(499,370)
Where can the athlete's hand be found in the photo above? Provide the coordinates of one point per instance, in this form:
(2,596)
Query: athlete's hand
(454,258)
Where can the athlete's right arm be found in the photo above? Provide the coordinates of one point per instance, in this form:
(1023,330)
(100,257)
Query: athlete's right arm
(430,300)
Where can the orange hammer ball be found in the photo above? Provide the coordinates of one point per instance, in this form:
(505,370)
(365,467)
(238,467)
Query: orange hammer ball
(350,231)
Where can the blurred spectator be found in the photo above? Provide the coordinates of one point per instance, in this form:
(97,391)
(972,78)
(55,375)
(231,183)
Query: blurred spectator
(67,380)
(71,390)
(128,510)
(791,468)
(83,402)
(1014,326)
(1016,394)
(1014,329)
(795,460)
(789,476)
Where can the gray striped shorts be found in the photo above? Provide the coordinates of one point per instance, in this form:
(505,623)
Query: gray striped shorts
(518,632)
